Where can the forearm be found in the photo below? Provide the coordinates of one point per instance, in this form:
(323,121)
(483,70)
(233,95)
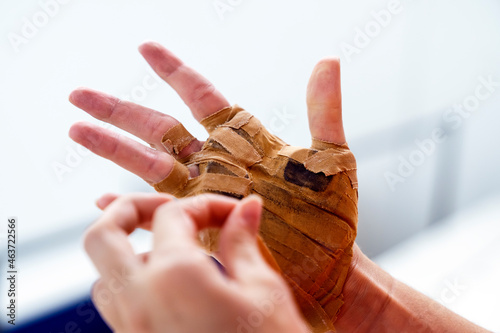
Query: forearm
(376,302)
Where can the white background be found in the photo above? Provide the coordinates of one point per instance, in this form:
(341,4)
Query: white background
(260,55)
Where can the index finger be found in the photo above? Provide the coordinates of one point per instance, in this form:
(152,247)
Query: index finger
(194,89)
(176,224)
(106,241)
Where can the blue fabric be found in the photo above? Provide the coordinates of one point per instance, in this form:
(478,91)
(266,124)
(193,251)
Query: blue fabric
(78,317)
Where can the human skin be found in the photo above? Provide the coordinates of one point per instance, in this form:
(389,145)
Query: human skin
(175,288)
(374,301)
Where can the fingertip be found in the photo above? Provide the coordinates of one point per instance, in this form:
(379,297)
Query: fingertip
(88,135)
(105,200)
(239,245)
(98,104)
(80,130)
(327,64)
(73,97)
(153,52)
(162,60)
(99,204)
(78,95)
(147,45)
(143,47)
(251,210)
(330,59)
(76,129)
(324,85)
(324,101)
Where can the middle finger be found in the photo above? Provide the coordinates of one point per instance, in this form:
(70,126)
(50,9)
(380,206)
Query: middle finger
(199,94)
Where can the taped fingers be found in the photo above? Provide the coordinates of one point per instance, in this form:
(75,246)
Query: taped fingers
(179,143)
(221,116)
(175,181)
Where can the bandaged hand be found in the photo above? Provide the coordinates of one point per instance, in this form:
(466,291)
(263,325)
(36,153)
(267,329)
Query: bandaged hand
(310,195)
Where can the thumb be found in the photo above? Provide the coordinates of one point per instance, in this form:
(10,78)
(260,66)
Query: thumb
(239,251)
(324,102)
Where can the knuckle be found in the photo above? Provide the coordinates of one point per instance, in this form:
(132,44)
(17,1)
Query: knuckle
(112,109)
(154,167)
(114,148)
(188,264)
(167,208)
(157,125)
(177,267)
(203,90)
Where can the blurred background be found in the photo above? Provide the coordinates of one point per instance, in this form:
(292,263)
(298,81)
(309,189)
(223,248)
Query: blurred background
(421,97)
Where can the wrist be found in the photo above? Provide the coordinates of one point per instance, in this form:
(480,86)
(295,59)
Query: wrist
(374,301)
(367,293)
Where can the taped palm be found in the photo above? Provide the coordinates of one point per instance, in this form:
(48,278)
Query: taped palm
(310,201)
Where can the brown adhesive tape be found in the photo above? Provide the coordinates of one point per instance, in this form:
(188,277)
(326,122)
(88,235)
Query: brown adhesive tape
(220,117)
(310,196)
(175,181)
(176,139)
(210,182)
(323,145)
(237,146)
